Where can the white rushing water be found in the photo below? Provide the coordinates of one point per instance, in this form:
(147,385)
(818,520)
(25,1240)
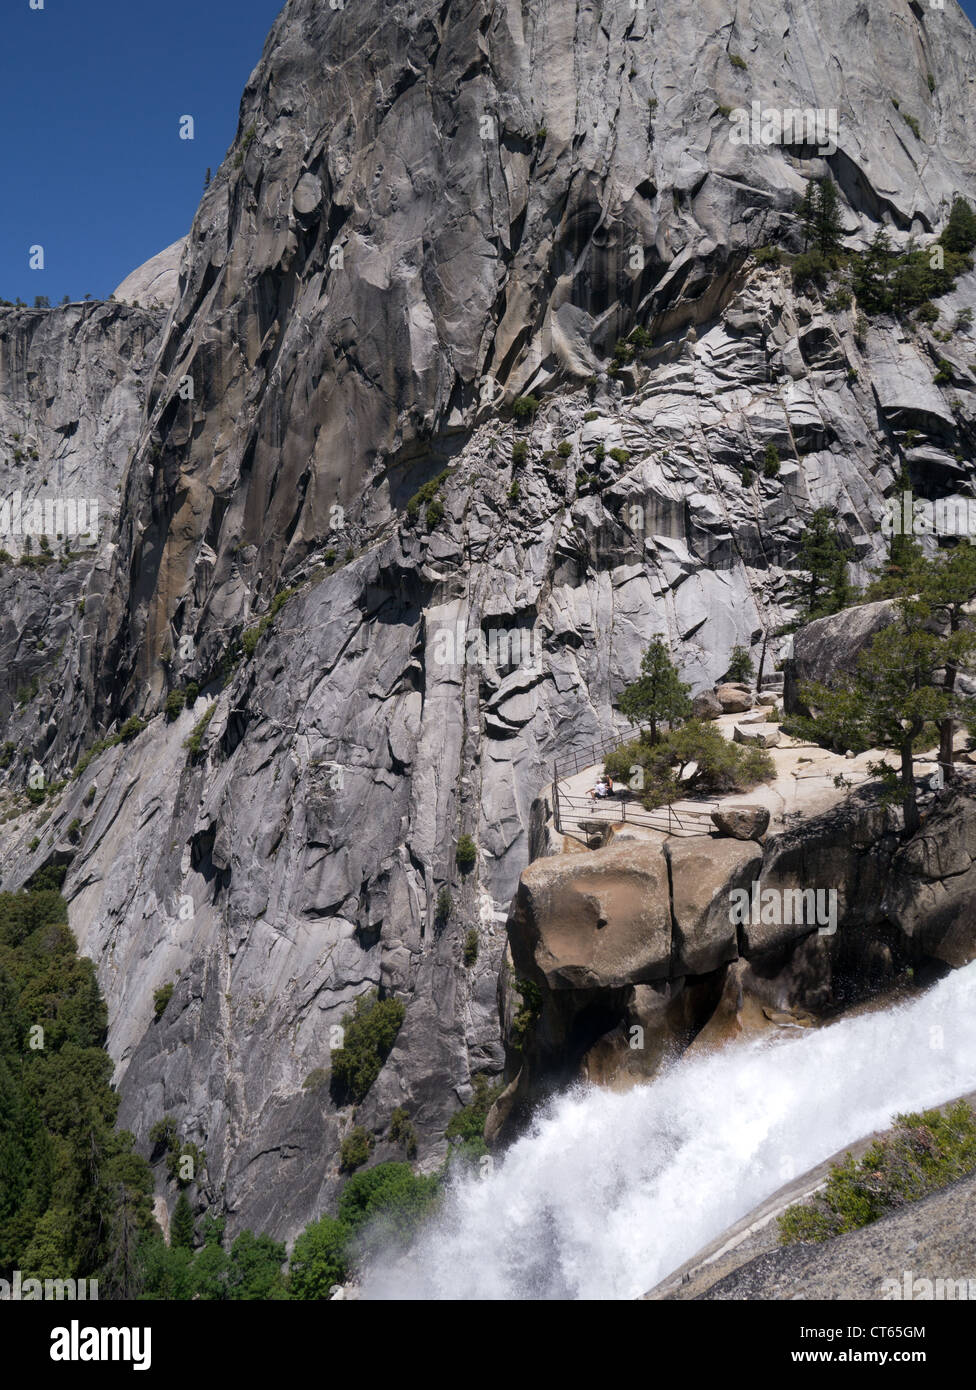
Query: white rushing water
(610,1193)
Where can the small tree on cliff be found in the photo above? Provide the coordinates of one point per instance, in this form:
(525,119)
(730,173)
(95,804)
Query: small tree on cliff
(658,696)
(821,586)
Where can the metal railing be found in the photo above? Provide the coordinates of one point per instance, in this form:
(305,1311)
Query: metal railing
(570,812)
(586,756)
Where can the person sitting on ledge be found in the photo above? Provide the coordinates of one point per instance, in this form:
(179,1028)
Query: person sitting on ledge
(601,790)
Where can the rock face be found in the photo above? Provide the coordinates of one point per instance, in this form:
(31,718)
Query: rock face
(745,823)
(430,210)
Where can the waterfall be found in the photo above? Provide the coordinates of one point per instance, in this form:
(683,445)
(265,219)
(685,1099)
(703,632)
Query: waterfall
(607,1194)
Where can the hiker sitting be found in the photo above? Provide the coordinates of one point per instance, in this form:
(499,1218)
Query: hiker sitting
(601,790)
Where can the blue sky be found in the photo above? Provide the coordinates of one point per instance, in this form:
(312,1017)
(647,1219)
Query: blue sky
(91,95)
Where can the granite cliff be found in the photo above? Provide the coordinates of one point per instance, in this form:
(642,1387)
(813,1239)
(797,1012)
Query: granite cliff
(429,211)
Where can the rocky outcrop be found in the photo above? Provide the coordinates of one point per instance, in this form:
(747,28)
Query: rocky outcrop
(760,935)
(596,921)
(830,647)
(428,211)
(156,284)
(742,823)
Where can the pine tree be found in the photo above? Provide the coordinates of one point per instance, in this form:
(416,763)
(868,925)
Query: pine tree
(822,586)
(959,233)
(181,1225)
(895,694)
(657,696)
(828,220)
(806,211)
(872,272)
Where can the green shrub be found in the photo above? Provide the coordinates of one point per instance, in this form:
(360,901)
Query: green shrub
(316,1079)
(514,491)
(33,844)
(194,743)
(564,449)
(740,665)
(161,998)
(529,1011)
(748,477)
(131,728)
(944,374)
(355,1149)
(770,461)
(809,269)
(253,635)
(435,513)
(921,1154)
(319,1259)
(402,1131)
(466,854)
(468,1123)
(385,1204)
(927,312)
(7,755)
(425,495)
(74,831)
(471,947)
(620,455)
(912,124)
(737,61)
(599,453)
(520,452)
(591,415)
(175,702)
(369,1034)
(764,255)
(524,407)
(444,907)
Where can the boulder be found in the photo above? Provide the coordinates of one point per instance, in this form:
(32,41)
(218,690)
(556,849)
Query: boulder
(595,921)
(762,735)
(705,706)
(734,699)
(831,645)
(703,873)
(742,822)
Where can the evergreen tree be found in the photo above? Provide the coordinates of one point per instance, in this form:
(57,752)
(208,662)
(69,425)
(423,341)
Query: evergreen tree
(959,234)
(806,211)
(657,696)
(896,693)
(828,220)
(181,1226)
(822,586)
